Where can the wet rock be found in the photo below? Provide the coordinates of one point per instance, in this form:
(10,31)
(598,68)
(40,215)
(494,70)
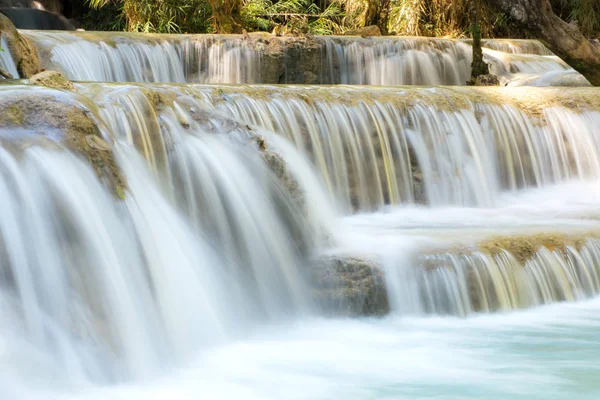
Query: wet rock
(22,51)
(52,79)
(569,80)
(371,30)
(292,60)
(51,117)
(485,80)
(350,286)
(293,210)
(278,166)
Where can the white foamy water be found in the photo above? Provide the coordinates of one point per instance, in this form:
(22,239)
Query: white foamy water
(549,352)
(437,146)
(6,61)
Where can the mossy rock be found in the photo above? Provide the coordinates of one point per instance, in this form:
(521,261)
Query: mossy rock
(485,80)
(524,247)
(350,286)
(23,52)
(52,79)
(59,117)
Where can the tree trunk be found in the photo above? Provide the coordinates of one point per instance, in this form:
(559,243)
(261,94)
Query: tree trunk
(478,67)
(227,16)
(384,16)
(372,13)
(378,13)
(564,39)
(5,74)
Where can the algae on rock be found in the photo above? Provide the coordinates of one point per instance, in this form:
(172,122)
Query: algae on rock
(52,79)
(55,116)
(350,286)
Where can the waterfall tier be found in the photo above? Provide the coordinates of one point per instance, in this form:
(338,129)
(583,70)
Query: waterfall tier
(117,258)
(262,58)
(380,146)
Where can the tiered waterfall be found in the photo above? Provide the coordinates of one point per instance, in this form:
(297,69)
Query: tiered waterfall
(198,217)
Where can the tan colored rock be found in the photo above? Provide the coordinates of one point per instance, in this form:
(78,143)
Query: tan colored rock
(487,80)
(58,118)
(350,286)
(52,79)
(22,51)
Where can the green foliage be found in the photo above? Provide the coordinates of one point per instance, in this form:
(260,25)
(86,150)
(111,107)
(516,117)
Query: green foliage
(292,15)
(407,17)
(429,17)
(585,12)
(161,16)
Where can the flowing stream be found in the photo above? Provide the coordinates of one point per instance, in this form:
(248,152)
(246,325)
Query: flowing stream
(161,240)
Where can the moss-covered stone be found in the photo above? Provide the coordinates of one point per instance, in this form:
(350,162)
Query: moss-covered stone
(350,286)
(52,79)
(23,52)
(60,118)
(485,80)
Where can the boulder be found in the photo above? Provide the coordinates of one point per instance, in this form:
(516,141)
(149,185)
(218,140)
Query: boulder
(52,117)
(23,52)
(486,80)
(350,286)
(52,79)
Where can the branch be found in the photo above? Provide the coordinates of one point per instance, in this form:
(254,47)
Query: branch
(5,74)
(290,15)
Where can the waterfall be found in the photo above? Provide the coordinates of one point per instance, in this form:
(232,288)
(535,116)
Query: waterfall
(461,283)
(205,242)
(184,224)
(443,147)
(139,58)
(438,146)
(6,61)
(119,57)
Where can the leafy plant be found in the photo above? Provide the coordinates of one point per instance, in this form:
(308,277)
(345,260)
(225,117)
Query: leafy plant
(161,16)
(294,15)
(585,12)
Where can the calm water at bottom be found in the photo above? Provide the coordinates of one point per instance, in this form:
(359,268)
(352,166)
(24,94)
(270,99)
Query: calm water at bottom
(545,353)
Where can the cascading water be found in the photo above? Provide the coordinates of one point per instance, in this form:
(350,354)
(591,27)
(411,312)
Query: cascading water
(193,253)
(138,58)
(438,146)
(263,59)
(176,241)
(6,61)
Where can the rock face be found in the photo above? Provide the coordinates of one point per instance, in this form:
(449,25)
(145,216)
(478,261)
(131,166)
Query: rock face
(349,286)
(289,59)
(51,79)
(22,51)
(372,30)
(486,80)
(52,117)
